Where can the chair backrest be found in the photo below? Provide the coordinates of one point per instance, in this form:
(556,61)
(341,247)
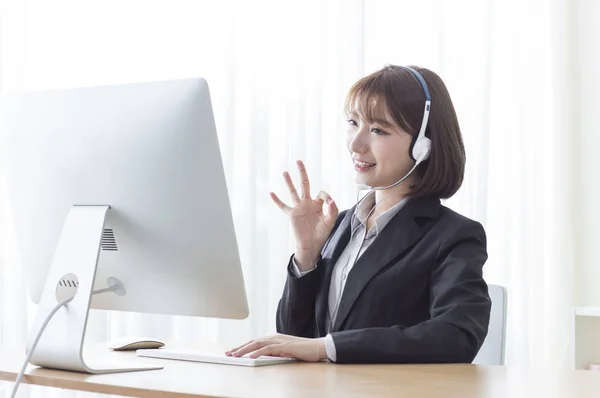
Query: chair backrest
(492,350)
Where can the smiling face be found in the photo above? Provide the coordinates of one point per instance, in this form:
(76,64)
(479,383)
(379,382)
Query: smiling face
(384,112)
(379,148)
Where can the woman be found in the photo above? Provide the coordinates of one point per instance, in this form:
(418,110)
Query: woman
(398,277)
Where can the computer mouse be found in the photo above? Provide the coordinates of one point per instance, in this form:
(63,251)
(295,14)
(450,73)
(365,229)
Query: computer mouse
(134,343)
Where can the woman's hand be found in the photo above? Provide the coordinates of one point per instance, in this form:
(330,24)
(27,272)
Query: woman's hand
(311,225)
(282,345)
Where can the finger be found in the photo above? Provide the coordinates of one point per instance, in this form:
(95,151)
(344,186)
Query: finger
(252,347)
(305,188)
(291,187)
(230,352)
(275,350)
(323,196)
(271,337)
(332,213)
(242,350)
(279,203)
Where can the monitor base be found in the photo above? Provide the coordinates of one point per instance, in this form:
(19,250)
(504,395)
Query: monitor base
(72,274)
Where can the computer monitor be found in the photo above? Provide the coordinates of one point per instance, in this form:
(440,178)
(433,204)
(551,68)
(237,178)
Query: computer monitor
(124,186)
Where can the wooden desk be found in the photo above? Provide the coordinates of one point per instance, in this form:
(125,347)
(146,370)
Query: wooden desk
(188,379)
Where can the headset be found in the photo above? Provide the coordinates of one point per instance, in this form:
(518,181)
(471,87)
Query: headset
(420,148)
(419,151)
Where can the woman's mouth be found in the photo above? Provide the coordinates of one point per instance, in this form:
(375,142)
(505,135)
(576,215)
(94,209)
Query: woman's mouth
(361,166)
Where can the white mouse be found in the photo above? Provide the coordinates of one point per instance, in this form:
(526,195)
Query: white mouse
(134,343)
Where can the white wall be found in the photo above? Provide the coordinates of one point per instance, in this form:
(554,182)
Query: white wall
(586,29)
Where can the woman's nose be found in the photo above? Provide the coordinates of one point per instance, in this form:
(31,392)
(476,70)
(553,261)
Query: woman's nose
(358,142)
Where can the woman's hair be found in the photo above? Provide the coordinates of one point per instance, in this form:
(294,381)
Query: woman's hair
(398,91)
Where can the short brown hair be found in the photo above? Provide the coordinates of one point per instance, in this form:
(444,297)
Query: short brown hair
(398,90)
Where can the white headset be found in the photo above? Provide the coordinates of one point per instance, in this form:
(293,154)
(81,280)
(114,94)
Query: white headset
(421,146)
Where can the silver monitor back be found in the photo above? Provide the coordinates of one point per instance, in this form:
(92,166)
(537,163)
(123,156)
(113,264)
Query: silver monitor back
(148,150)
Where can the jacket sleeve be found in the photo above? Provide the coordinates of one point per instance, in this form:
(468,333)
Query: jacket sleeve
(296,308)
(459,312)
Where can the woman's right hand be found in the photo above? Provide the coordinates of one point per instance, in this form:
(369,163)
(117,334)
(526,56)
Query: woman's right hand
(310,223)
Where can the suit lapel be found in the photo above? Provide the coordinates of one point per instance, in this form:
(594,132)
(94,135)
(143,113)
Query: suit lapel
(330,255)
(400,234)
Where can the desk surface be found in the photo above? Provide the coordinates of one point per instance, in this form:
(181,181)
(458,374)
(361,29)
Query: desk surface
(189,379)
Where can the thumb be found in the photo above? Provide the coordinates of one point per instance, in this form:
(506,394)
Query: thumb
(332,212)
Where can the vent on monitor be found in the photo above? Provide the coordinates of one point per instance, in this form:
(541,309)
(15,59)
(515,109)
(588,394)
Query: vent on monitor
(108,240)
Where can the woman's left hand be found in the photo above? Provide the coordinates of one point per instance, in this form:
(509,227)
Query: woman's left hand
(282,345)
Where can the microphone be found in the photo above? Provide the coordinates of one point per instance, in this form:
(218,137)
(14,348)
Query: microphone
(423,156)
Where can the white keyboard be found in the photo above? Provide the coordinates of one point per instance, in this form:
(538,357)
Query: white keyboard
(203,356)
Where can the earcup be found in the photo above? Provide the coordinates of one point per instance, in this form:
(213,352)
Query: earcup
(421,149)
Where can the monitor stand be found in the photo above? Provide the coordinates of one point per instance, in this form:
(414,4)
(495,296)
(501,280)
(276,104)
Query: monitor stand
(73,272)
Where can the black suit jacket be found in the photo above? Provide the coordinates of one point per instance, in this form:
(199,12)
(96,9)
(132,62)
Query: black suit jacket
(416,295)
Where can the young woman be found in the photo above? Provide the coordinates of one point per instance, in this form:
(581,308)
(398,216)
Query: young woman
(398,277)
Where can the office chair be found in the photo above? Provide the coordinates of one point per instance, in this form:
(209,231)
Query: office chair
(492,350)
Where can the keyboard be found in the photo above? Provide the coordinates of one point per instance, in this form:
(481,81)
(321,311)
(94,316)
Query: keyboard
(211,357)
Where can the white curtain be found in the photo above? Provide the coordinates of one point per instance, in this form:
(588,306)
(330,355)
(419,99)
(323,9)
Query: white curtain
(278,72)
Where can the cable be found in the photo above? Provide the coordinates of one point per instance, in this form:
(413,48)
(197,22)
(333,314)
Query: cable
(37,338)
(372,189)
(41,331)
(389,186)
(339,298)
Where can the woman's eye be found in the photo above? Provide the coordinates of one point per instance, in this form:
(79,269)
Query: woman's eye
(352,122)
(378,131)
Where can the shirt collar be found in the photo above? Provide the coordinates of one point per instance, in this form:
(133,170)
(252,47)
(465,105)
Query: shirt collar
(364,207)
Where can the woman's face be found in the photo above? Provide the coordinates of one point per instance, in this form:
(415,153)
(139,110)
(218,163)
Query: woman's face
(379,148)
